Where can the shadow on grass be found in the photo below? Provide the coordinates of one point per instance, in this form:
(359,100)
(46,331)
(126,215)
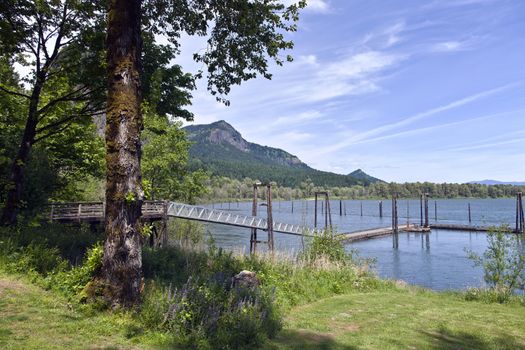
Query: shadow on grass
(306,340)
(444,338)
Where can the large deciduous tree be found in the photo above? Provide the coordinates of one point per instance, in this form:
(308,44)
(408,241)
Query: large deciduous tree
(121,271)
(243,36)
(52,41)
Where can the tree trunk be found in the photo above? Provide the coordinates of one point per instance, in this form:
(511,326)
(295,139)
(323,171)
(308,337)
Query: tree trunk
(12,204)
(121,272)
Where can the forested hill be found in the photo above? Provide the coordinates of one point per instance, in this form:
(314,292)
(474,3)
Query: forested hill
(219,148)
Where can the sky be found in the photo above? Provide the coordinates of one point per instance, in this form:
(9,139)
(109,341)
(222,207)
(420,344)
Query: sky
(405,90)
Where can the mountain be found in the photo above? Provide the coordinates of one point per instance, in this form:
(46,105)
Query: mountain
(361,175)
(221,149)
(495,182)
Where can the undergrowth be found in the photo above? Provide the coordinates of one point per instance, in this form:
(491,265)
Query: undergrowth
(190,297)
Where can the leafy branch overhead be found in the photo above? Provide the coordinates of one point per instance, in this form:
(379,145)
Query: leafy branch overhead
(243,36)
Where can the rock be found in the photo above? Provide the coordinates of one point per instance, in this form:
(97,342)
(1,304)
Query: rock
(245,279)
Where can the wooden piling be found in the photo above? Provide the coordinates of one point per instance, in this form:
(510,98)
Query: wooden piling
(328,215)
(253,238)
(421,208)
(380,209)
(361,208)
(435,211)
(426,210)
(522,217)
(395,227)
(469,215)
(340,208)
(408,213)
(269,219)
(315,211)
(520,220)
(164,225)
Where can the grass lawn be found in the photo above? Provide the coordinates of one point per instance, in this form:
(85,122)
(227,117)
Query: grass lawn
(31,318)
(404,319)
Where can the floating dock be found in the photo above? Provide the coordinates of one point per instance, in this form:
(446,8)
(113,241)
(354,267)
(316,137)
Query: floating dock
(377,232)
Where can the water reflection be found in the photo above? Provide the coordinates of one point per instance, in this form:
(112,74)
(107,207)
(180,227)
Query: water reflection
(445,266)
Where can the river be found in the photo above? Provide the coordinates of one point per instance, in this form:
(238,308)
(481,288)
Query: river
(437,260)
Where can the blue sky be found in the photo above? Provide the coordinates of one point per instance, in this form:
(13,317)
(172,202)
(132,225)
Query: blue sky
(405,90)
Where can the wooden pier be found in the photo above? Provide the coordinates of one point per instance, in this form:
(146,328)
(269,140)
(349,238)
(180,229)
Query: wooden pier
(373,233)
(470,228)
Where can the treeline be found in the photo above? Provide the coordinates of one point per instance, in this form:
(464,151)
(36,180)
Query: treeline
(227,189)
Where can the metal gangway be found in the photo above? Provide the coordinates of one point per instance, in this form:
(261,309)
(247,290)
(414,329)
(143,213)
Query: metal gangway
(192,212)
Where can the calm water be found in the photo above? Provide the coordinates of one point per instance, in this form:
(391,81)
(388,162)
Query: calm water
(436,260)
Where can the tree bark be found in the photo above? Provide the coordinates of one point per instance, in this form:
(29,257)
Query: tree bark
(121,272)
(12,204)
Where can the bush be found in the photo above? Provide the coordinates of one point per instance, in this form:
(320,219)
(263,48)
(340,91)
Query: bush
(326,246)
(503,263)
(212,314)
(46,256)
(71,282)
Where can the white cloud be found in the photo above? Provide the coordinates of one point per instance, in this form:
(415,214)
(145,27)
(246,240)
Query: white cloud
(359,138)
(318,6)
(359,65)
(308,60)
(298,118)
(451,46)
(385,37)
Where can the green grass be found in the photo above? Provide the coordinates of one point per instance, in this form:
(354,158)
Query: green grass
(327,304)
(31,318)
(403,319)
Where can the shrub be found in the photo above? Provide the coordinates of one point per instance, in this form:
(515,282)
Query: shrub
(503,263)
(46,256)
(72,281)
(492,295)
(326,246)
(212,314)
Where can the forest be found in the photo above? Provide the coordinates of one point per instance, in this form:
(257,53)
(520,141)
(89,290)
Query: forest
(226,189)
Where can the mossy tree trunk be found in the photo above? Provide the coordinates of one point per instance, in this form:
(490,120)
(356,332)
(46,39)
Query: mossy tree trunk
(121,272)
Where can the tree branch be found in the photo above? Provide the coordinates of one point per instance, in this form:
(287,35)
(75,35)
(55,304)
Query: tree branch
(41,38)
(51,133)
(71,96)
(55,124)
(14,92)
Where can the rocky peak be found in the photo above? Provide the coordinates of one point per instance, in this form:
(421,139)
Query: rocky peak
(221,132)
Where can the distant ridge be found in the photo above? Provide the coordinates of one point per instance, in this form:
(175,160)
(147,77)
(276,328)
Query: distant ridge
(495,182)
(219,148)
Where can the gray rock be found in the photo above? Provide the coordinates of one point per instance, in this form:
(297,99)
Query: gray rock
(245,279)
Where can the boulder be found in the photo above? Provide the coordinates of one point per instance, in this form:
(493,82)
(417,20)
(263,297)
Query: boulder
(245,279)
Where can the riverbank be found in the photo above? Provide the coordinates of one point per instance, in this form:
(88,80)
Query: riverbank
(400,318)
(323,298)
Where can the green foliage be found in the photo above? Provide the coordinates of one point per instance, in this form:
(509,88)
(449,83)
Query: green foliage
(326,246)
(493,295)
(503,262)
(211,314)
(231,189)
(165,160)
(51,255)
(187,232)
(72,281)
